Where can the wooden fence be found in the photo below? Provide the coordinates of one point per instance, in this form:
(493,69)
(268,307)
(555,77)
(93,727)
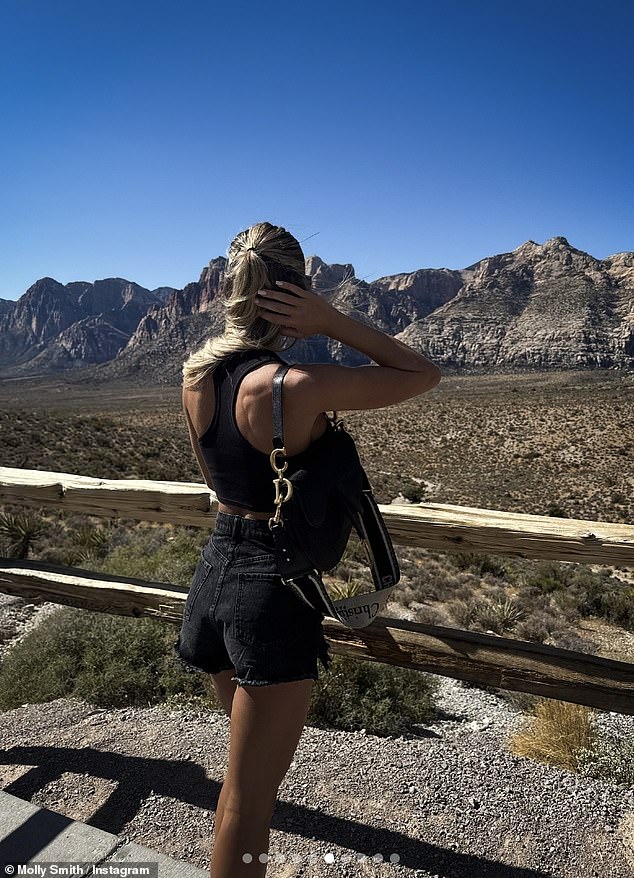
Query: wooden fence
(484,659)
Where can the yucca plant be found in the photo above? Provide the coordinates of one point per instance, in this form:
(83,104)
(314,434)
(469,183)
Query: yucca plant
(340,589)
(499,615)
(19,531)
(94,538)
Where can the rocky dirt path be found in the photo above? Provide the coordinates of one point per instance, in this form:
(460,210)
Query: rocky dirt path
(449,802)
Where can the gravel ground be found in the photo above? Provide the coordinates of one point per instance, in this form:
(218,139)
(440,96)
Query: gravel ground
(449,802)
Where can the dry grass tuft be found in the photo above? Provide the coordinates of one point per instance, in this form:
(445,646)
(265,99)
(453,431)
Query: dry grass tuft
(556,733)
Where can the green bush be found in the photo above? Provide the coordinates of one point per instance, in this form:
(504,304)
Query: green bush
(111,661)
(155,554)
(583,592)
(538,627)
(89,544)
(548,576)
(612,601)
(414,493)
(380,698)
(555,510)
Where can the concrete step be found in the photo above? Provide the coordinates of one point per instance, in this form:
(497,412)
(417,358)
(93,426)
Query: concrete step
(35,835)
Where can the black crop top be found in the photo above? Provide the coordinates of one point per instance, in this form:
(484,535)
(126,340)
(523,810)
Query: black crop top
(241,474)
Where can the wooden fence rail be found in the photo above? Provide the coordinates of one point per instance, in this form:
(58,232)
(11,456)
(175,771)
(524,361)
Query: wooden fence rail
(438,526)
(483,659)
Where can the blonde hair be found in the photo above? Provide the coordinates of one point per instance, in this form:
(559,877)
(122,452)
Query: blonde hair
(256,258)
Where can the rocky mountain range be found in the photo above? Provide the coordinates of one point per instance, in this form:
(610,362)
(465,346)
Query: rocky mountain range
(53,326)
(540,306)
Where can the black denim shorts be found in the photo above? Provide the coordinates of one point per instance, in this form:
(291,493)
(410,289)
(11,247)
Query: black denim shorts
(240,615)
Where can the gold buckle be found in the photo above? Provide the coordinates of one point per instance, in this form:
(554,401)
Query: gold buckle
(279,482)
(289,490)
(274,462)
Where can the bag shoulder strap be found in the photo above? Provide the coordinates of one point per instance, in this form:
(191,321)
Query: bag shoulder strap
(278,426)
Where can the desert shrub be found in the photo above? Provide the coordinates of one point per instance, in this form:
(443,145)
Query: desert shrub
(340,589)
(555,732)
(463,611)
(89,543)
(554,510)
(380,698)
(115,661)
(537,627)
(427,615)
(479,563)
(156,554)
(565,639)
(413,492)
(409,569)
(497,615)
(355,552)
(609,757)
(613,601)
(107,660)
(547,576)
(430,583)
(580,591)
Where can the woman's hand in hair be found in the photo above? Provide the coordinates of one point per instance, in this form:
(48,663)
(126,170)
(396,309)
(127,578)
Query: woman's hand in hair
(299,312)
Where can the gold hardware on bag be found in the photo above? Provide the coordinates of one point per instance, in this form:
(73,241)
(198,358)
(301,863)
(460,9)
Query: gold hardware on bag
(275,451)
(289,490)
(279,482)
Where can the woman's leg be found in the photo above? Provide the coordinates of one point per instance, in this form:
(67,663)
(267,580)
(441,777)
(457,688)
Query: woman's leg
(266,725)
(225,687)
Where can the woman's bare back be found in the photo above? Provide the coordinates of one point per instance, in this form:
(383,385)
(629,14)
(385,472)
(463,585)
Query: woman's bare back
(254,417)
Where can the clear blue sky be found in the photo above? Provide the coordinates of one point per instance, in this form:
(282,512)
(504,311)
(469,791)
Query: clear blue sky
(139,137)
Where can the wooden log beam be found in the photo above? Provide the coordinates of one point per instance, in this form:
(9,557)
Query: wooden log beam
(438,526)
(186,503)
(491,660)
(487,660)
(92,590)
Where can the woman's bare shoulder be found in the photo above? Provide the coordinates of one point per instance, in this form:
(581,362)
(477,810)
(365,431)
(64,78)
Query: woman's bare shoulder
(199,402)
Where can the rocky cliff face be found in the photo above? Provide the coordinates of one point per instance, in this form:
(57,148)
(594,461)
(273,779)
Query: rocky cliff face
(540,306)
(168,333)
(56,326)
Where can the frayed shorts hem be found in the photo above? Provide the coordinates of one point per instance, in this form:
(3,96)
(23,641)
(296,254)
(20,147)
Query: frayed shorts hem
(245,681)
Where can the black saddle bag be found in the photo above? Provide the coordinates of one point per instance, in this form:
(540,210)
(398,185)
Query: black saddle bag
(317,506)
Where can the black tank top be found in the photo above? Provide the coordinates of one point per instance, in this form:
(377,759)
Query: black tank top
(241,474)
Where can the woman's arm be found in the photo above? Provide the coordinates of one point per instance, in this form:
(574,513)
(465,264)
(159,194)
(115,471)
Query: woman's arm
(193,438)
